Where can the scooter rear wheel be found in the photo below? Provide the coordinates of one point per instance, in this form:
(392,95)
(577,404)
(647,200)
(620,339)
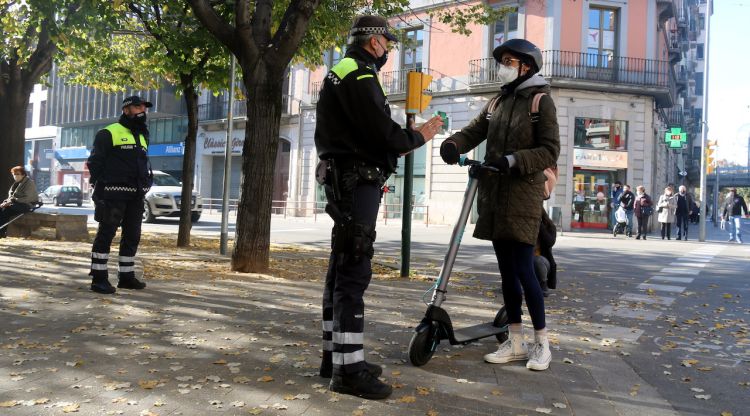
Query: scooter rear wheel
(501,319)
(421,345)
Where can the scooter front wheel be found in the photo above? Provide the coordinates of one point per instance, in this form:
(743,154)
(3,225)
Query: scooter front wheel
(422,345)
(501,319)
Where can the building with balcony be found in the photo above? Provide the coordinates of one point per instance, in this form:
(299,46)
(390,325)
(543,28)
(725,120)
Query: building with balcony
(615,73)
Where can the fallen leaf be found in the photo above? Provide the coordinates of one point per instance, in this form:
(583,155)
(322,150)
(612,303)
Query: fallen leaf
(220,362)
(689,363)
(432,413)
(560,405)
(71,408)
(9,403)
(407,399)
(703,396)
(265,379)
(148,384)
(544,410)
(423,391)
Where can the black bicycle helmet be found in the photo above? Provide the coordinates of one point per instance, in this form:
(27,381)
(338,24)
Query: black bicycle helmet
(530,54)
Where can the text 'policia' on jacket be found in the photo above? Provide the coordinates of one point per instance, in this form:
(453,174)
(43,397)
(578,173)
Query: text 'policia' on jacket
(354,118)
(118,162)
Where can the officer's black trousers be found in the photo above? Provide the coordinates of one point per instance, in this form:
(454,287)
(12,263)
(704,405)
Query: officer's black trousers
(346,281)
(112,214)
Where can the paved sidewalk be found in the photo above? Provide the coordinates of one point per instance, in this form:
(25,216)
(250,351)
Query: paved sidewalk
(224,343)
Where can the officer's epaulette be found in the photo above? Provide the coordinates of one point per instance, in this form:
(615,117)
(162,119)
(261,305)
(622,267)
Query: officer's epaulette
(342,69)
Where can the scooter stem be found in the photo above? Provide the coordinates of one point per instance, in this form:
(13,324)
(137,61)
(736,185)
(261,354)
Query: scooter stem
(438,295)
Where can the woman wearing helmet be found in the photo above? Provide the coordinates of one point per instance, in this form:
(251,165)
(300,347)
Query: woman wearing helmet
(520,145)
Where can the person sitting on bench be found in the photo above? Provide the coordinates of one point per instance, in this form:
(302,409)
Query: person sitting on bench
(22,196)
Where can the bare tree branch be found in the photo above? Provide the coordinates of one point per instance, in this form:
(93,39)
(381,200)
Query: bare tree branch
(223,30)
(261,22)
(292,29)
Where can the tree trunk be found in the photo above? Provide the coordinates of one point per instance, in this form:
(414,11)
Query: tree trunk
(252,240)
(188,161)
(12,133)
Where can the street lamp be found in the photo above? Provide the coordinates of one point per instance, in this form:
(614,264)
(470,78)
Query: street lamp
(704,126)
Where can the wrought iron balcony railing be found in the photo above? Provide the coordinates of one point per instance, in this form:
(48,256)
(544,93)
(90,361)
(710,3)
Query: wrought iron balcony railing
(584,66)
(218,110)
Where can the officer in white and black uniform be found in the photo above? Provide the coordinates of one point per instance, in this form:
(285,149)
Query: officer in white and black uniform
(121,176)
(358,144)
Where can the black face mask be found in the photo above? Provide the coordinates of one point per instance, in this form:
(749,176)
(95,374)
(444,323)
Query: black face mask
(380,62)
(139,117)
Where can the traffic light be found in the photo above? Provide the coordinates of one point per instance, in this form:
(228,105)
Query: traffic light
(416,99)
(710,157)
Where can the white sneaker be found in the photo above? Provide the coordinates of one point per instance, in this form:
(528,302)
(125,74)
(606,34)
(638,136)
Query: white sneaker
(539,355)
(513,349)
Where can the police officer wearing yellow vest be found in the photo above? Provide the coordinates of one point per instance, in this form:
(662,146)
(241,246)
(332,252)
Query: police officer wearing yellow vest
(121,176)
(358,144)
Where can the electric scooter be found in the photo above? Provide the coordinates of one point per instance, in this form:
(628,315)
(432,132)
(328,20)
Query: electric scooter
(436,324)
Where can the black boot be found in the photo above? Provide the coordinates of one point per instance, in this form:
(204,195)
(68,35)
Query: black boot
(362,384)
(326,369)
(102,285)
(131,283)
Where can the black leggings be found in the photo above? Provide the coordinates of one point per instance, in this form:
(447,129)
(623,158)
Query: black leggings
(666,230)
(643,225)
(516,261)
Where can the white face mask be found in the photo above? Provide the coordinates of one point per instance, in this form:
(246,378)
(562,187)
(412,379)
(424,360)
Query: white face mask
(17,178)
(506,74)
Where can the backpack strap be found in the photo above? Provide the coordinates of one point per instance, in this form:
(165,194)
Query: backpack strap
(534,113)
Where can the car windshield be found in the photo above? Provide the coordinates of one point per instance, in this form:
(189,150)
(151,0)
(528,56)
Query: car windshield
(165,180)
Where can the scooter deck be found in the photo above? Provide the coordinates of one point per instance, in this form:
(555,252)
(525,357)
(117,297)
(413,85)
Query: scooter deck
(475,332)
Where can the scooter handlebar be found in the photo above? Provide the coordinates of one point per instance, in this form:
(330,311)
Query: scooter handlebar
(475,164)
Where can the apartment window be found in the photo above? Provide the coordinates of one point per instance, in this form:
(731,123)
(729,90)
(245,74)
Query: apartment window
(699,51)
(505,28)
(601,39)
(600,134)
(411,51)
(29,116)
(43,113)
(699,83)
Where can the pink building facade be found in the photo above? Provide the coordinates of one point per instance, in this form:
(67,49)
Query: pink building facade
(616,70)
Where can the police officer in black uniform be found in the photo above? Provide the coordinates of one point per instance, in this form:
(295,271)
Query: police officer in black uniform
(358,144)
(121,176)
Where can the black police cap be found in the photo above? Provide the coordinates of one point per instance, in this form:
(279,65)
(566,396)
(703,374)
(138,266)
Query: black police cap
(371,25)
(135,100)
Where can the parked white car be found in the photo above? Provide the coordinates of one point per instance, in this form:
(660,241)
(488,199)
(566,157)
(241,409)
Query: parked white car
(163,200)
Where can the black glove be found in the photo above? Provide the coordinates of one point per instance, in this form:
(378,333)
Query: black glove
(502,165)
(449,152)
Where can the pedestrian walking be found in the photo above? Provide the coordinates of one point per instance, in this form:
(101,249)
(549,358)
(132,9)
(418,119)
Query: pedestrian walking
(643,209)
(22,196)
(121,176)
(521,143)
(666,212)
(358,144)
(731,213)
(614,202)
(627,202)
(683,212)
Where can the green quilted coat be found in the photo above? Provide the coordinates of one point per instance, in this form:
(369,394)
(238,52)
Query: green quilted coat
(510,205)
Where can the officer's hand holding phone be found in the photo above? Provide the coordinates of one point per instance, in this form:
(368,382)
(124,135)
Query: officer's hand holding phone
(430,128)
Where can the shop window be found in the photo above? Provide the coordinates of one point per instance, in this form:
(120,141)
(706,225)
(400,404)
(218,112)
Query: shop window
(600,134)
(592,198)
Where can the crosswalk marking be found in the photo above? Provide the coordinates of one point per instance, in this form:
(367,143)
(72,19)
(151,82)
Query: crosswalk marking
(676,270)
(663,288)
(650,299)
(686,264)
(685,280)
(704,259)
(629,312)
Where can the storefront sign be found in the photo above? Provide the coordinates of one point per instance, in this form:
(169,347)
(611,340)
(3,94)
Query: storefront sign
(176,149)
(608,159)
(214,142)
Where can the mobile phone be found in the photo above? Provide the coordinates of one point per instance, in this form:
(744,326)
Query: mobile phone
(443,116)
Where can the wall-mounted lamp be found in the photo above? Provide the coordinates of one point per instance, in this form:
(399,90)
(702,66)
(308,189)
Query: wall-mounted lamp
(632,105)
(572,100)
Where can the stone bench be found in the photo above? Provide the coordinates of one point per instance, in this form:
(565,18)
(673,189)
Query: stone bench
(67,226)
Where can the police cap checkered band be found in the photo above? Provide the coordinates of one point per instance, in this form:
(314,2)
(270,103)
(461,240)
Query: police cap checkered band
(135,100)
(371,25)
